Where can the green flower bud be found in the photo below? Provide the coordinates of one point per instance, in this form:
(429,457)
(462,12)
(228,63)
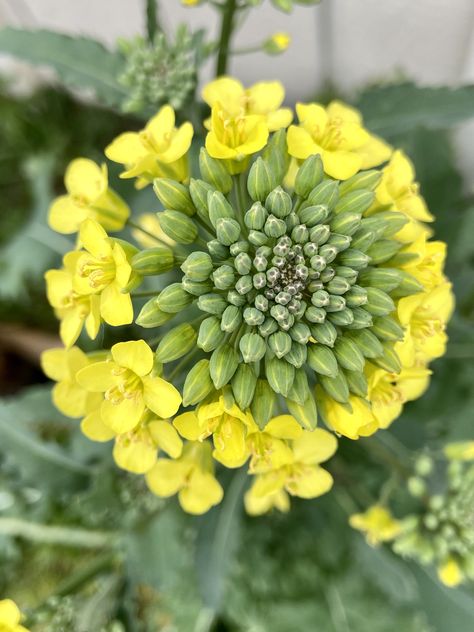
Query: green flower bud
(223,277)
(394,221)
(424,465)
(276,155)
(306,415)
(274,227)
(347,273)
(263,403)
(153,261)
(260,180)
(197,266)
(328,252)
(356,296)
(280,375)
(196,288)
(231,318)
(257,238)
(385,279)
(368,344)
(322,360)
(300,333)
(239,247)
(255,217)
(219,207)
(173,299)
(346,223)
(363,239)
(151,315)
(357,383)
(389,360)
(297,354)
(268,327)
(253,316)
(408,286)
(335,304)
(315,314)
(214,172)
(280,343)
(312,215)
(324,333)
(360,318)
(227,230)
(309,175)
(199,191)
(174,195)
(416,486)
(212,303)
(198,384)
(348,354)
(252,347)
(336,387)
(217,250)
(243,263)
(210,334)
(355,201)
(378,302)
(341,318)
(176,343)
(353,258)
(223,364)
(383,250)
(362,180)
(299,392)
(338,285)
(326,193)
(319,234)
(279,203)
(300,234)
(387,328)
(178,226)
(291,221)
(235,298)
(244,383)
(244,284)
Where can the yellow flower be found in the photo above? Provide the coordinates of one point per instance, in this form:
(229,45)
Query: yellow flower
(62,366)
(104,269)
(269,447)
(137,451)
(352,420)
(262,99)
(228,426)
(277,43)
(450,573)
(191,477)
(190,3)
(428,265)
(73,310)
(129,386)
(301,476)
(387,392)
(337,134)
(151,224)
(460,451)
(424,316)
(399,191)
(157,151)
(377,523)
(10,617)
(234,138)
(89,196)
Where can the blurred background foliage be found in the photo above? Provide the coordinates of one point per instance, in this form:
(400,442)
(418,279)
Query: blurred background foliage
(84,546)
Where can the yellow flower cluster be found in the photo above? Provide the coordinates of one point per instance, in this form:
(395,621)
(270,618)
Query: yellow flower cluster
(10,617)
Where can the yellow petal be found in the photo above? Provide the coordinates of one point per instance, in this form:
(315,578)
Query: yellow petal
(450,573)
(97,377)
(70,327)
(258,505)
(336,109)
(9,614)
(161,397)
(166,437)
(94,428)
(313,482)
(116,308)
(265,97)
(54,363)
(126,149)
(65,216)
(313,118)
(167,477)
(179,145)
(284,427)
(93,320)
(187,425)
(341,164)
(300,143)
(94,238)
(135,355)
(111,211)
(135,452)
(124,416)
(202,492)
(229,442)
(162,123)
(255,135)
(375,152)
(314,446)
(58,286)
(70,399)
(85,179)
(216,149)
(225,90)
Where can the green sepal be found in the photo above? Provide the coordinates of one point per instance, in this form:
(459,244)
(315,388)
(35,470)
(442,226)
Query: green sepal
(299,391)
(276,155)
(355,259)
(387,328)
(324,333)
(256,216)
(360,318)
(348,354)
(210,334)
(174,195)
(197,266)
(363,238)
(322,360)
(223,364)
(367,342)
(389,360)
(408,286)
(327,193)
(199,191)
(174,298)
(263,403)
(357,201)
(346,223)
(336,387)
(212,303)
(214,172)
(153,261)
(218,207)
(356,296)
(279,203)
(313,214)
(342,318)
(231,318)
(379,302)
(178,226)
(305,414)
(252,347)
(260,180)
(385,279)
(280,375)
(196,288)
(198,384)
(243,384)
(357,383)
(297,355)
(280,343)
(383,250)
(151,315)
(176,343)
(227,230)
(309,175)
(217,250)
(224,277)
(363,180)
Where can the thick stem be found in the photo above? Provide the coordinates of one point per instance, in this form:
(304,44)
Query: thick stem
(152,20)
(227,27)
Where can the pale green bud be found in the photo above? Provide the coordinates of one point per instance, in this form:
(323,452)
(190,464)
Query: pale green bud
(176,343)
(214,172)
(268,327)
(198,266)
(235,298)
(255,217)
(252,347)
(291,221)
(223,277)
(315,314)
(348,354)
(416,486)
(279,203)
(223,364)
(355,201)
(173,195)
(174,299)
(385,279)
(326,193)
(243,263)
(263,403)
(309,175)
(383,250)
(153,261)
(357,383)
(394,221)
(408,286)
(335,304)
(280,343)
(196,288)
(387,328)
(212,303)
(244,284)
(324,333)
(297,354)
(257,238)
(280,375)
(369,345)
(362,180)
(198,384)
(306,415)
(360,318)
(231,318)
(276,155)
(312,215)
(260,180)
(253,316)
(341,318)
(178,226)
(227,230)
(389,360)
(424,465)
(363,239)
(356,296)
(378,302)
(218,207)
(239,247)
(300,333)
(217,250)
(335,386)
(151,315)
(353,258)
(322,360)
(274,227)
(210,334)
(346,223)
(244,383)
(199,191)
(319,234)
(300,234)
(338,285)
(299,391)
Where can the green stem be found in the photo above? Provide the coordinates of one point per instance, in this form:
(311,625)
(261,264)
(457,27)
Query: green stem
(144,294)
(180,366)
(136,226)
(99,564)
(152,20)
(227,26)
(65,536)
(246,51)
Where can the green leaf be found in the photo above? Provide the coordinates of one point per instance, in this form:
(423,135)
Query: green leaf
(80,62)
(395,109)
